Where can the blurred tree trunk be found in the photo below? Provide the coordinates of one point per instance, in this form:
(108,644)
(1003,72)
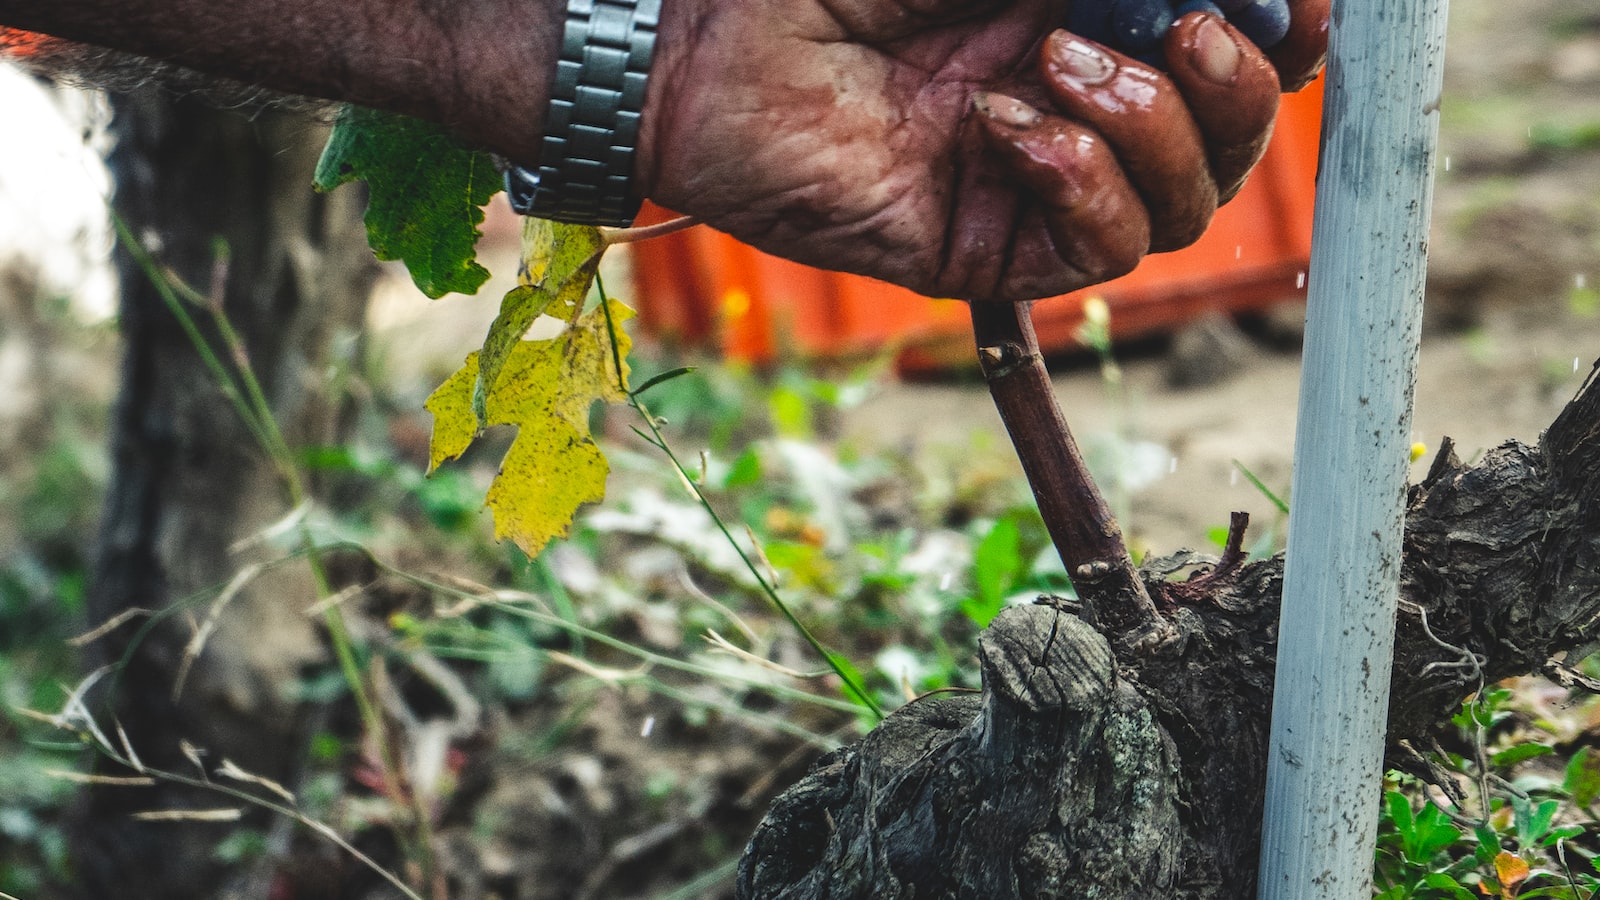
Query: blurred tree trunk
(223,199)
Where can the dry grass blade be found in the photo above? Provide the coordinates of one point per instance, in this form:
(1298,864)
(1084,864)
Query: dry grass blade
(468,711)
(106,780)
(229,770)
(127,748)
(337,599)
(197,643)
(610,676)
(108,626)
(75,715)
(760,554)
(193,754)
(190,815)
(686,579)
(52,719)
(721,645)
(284,525)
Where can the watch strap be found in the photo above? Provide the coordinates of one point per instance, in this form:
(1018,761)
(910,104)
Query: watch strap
(585,170)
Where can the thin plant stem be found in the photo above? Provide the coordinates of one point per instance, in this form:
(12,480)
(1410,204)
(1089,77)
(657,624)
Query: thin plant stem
(282,809)
(704,883)
(332,614)
(251,403)
(610,236)
(762,581)
(519,603)
(776,690)
(522,605)
(165,287)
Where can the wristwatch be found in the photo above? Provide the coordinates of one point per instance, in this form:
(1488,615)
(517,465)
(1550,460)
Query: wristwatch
(585,170)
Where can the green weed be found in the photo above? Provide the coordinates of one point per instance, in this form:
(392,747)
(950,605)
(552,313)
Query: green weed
(1503,816)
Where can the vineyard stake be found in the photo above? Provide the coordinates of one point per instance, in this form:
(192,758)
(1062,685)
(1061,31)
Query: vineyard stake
(1341,582)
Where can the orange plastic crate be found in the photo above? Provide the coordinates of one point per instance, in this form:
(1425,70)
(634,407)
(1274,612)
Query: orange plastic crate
(701,287)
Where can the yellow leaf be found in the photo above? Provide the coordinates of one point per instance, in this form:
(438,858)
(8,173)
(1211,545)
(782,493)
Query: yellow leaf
(545,389)
(1511,870)
(543,242)
(547,475)
(454,425)
(559,263)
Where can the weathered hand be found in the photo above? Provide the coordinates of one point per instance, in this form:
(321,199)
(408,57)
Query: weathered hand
(962,148)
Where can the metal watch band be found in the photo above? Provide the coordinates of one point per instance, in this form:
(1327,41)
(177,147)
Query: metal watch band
(585,171)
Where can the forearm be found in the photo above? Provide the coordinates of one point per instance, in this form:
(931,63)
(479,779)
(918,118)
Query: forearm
(480,67)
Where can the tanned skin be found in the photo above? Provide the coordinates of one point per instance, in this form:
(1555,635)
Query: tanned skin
(952,146)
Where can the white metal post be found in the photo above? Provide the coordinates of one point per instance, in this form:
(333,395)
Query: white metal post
(1341,584)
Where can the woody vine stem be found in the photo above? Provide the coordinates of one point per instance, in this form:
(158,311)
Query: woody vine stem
(1081,525)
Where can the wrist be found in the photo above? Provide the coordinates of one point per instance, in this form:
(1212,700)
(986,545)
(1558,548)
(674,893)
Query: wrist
(673,43)
(508,50)
(481,67)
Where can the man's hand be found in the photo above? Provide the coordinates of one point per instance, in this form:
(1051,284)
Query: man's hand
(962,148)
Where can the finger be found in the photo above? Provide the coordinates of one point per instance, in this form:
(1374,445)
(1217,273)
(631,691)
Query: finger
(1143,117)
(1232,94)
(1299,56)
(1092,218)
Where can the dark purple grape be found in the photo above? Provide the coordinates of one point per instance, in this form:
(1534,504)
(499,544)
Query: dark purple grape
(1137,27)
(1155,57)
(1264,22)
(1091,19)
(1189,6)
(1140,24)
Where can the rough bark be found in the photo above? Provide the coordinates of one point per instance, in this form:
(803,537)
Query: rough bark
(1093,766)
(188,480)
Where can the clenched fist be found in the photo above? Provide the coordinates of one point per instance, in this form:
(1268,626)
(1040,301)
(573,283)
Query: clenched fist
(961,148)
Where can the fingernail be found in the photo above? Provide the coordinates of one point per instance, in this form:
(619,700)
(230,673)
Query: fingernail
(1080,61)
(1005,110)
(1215,54)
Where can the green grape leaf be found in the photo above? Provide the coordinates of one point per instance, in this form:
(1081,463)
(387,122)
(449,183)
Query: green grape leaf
(426,194)
(545,389)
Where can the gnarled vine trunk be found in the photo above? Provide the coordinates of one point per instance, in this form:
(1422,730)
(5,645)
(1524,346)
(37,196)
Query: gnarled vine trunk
(1099,763)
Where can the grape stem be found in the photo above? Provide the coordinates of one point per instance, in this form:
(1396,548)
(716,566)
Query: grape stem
(1081,525)
(609,236)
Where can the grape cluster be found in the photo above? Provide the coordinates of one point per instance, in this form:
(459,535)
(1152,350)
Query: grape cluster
(1136,27)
